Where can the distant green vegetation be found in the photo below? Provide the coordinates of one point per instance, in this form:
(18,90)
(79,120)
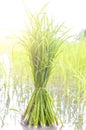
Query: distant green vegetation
(71,68)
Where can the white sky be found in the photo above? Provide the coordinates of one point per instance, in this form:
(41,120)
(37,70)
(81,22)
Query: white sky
(72,12)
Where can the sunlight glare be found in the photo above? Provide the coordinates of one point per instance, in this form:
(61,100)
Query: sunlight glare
(12,13)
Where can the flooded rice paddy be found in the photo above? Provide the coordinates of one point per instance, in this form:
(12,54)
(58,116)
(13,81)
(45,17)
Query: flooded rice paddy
(15,91)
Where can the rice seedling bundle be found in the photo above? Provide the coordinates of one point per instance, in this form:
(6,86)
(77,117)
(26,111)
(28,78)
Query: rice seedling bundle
(42,40)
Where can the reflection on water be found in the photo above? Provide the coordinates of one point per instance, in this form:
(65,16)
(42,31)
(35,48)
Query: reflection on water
(15,94)
(17,126)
